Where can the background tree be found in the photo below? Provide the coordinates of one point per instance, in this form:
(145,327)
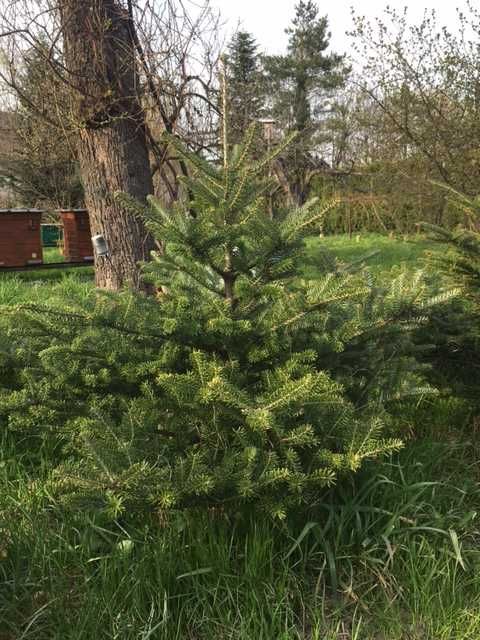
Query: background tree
(43,167)
(407,118)
(383,181)
(300,83)
(178,47)
(421,84)
(246,89)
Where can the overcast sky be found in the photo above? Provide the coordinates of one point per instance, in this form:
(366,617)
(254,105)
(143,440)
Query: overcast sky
(267,19)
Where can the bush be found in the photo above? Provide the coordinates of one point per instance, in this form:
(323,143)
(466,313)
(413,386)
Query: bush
(456,326)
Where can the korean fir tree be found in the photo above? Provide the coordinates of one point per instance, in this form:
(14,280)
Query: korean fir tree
(240,385)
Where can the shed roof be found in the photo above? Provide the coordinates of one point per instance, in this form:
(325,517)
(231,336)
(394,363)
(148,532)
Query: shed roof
(21,211)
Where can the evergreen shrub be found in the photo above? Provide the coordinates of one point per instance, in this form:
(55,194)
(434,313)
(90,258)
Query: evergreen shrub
(239,385)
(456,326)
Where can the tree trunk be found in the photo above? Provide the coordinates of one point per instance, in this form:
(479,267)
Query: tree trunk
(112,145)
(302,125)
(299,189)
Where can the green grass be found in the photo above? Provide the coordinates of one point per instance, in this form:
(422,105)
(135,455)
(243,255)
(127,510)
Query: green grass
(388,253)
(44,279)
(16,289)
(380,253)
(51,254)
(391,554)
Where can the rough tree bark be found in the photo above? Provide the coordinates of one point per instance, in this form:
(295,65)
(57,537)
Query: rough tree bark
(112,146)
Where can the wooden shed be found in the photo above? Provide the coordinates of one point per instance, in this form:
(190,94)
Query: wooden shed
(20,237)
(77,237)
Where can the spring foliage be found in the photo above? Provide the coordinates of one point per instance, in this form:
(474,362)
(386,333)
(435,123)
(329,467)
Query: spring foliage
(240,384)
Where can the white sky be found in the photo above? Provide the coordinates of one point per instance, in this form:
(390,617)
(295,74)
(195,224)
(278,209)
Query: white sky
(267,19)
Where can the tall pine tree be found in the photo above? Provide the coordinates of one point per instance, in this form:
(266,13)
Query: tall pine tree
(246,91)
(300,81)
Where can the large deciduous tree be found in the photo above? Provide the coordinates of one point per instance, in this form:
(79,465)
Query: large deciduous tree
(423,83)
(112,145)
(130,71)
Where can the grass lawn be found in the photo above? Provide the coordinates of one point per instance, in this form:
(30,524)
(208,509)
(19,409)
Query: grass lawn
(52,254)
(390,252)
(392,554)
(380,253)
(25,285)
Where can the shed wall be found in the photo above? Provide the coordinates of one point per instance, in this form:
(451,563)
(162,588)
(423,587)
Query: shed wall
(20,239)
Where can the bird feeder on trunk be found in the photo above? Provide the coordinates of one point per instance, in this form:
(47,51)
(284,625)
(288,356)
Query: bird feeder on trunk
(100,246)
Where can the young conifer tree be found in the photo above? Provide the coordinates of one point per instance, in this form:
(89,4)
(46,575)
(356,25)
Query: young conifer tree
(242,385)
